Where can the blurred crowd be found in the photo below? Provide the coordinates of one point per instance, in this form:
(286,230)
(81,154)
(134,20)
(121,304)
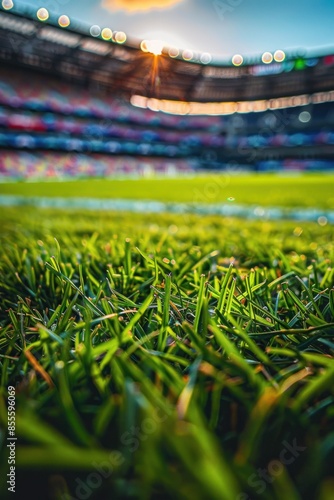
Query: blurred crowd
(49,127)
(36,164)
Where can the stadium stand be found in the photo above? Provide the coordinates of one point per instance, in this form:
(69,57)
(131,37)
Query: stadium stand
(37,164)
(276,115)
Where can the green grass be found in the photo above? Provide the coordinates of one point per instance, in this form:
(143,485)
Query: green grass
(141,354)
(311,190)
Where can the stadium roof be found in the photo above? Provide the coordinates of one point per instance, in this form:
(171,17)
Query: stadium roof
(129,68)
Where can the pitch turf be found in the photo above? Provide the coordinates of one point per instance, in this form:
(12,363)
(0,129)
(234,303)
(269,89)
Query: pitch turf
(310,190)
(167,356)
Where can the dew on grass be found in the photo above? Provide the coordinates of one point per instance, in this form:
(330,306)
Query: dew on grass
(322,221)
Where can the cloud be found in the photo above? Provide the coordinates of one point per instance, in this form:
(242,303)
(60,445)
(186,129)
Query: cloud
(139,5)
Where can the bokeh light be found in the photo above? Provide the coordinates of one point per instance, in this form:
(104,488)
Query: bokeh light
(187,55)
(267,58)
(143,46)
(7,4)
(322,221)
(279,56)
(106,34)
(173,52)
(237,60)
(153,46)
(304,117)
(120,37)
(64,21)
(206,58)
(42,14)
(95,30)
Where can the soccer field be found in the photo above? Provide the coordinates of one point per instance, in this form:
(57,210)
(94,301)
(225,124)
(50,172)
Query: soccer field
(289,190)
(167,356)
(166,250)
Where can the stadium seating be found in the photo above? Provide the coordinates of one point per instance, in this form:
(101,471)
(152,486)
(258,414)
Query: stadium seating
(37,165)
(88,133)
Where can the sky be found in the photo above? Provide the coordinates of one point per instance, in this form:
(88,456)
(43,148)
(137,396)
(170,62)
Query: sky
(220,27)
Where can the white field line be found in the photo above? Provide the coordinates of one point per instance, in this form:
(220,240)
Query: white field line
(145,206)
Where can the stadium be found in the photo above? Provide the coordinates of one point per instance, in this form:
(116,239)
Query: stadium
(166,266)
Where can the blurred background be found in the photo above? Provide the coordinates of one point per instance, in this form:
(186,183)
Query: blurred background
(78,99)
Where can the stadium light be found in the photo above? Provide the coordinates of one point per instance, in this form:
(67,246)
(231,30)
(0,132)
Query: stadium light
(153,46)
(267,58)
(120,37)
(64,21)
(95,30)
(42,14)
(173,52)
(106,34)
(206,58)
(228,108)
(143,46)
(187,55)
(237,60)
(279,56)
(7,4)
